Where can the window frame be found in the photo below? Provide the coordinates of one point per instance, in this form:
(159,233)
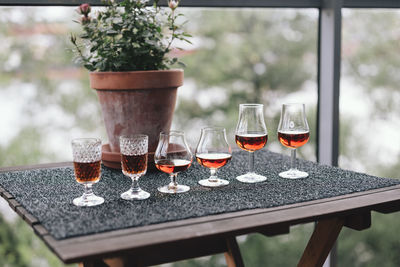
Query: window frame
(329,57)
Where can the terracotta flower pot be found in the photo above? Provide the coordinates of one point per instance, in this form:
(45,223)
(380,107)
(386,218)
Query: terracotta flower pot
(136,102)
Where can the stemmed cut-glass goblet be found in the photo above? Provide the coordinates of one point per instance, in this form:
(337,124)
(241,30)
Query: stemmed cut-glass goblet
(86,154)
(172,156)
(213,152)
(251,135)
(293,132)
(134,150)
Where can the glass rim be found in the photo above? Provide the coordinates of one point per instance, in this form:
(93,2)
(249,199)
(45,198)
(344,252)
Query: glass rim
(133,136)
(251,105)
(213,128)
(294,104)
(92,140)
(172,132)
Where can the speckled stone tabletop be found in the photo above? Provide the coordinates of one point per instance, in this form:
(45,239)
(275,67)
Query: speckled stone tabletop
(48,193)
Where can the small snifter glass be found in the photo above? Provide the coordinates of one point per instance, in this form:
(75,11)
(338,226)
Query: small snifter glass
(134,150)
(251,135)
(86,154)
(293,132)
(172,156)
(213,152)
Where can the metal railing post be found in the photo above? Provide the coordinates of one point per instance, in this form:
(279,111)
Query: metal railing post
(329,47)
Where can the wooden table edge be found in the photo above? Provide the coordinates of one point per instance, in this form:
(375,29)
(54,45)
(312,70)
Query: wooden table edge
(252,218)
(223,225)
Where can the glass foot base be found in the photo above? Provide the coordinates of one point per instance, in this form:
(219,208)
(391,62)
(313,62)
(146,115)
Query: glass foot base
(174,189)
(213,182)
(135,195)
(251,177)
(293,174)
(88,200)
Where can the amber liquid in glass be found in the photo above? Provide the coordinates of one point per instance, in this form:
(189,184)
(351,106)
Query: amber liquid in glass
(134,164)
(293,139)
(213,160)
(87,172)
(173,165)
(251,142)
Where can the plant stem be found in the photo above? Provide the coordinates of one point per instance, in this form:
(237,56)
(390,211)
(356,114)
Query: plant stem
(173,30)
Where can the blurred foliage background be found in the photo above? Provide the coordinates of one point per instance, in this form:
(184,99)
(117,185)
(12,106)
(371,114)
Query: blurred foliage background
(267,56)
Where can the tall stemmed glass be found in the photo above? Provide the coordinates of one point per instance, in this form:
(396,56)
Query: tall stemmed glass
(213,152)
(293,132)
(86,154)
(251,135)
(172,156)
(134,150)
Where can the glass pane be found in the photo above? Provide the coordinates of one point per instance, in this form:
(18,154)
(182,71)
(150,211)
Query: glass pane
(370,123)
(267,56)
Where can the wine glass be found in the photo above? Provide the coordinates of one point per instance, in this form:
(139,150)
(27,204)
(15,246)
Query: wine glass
(172,156)
(213,152)
(134,150)
(86,153)
(251,135)
(293,132)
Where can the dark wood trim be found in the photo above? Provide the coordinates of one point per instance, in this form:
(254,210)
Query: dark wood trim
(26,216)
(388,209)
(359,221)
(185,3)
(273,230)
(13,204)
(371,3)
(40,230)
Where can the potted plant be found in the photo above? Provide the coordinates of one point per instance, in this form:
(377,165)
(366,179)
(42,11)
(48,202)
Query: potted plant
(125,47)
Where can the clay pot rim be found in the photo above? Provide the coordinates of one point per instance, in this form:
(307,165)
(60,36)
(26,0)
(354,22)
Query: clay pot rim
(130,72)
(132,80)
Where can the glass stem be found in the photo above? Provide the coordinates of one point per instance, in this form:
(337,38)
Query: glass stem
(293,160)
(251,162)
(213,177)
(88,190)
(135,184)
(173,182)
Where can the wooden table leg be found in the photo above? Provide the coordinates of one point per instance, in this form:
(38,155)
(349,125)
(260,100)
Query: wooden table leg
(110,262)
(94,263)
(232,256)
(321,242)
